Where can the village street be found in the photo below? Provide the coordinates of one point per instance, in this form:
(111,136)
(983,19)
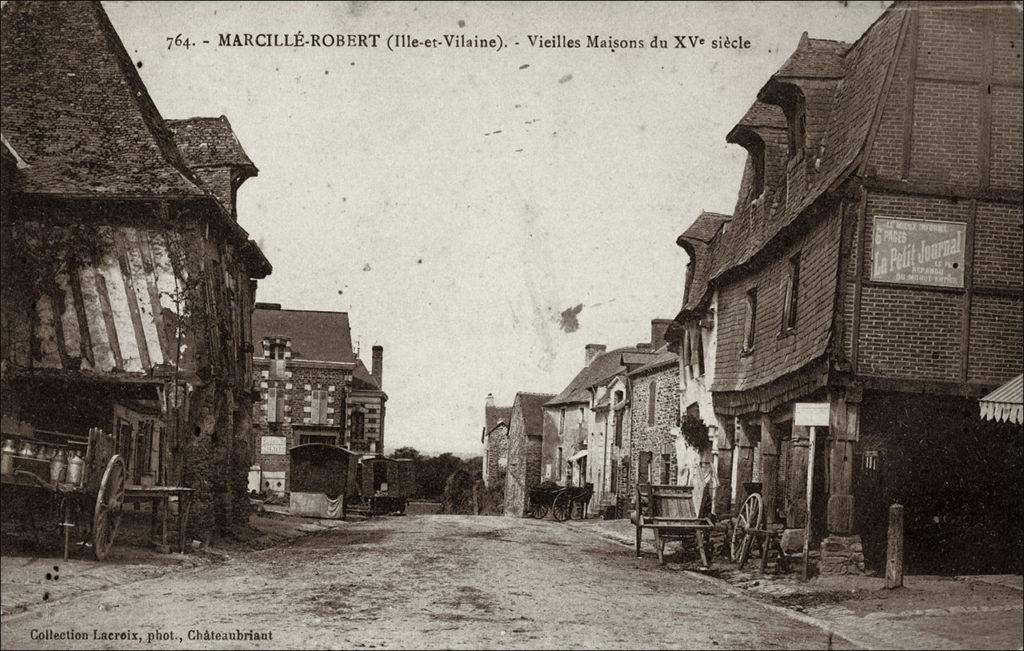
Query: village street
(425,581)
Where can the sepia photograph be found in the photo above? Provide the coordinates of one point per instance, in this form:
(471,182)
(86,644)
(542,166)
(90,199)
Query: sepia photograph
(703,324)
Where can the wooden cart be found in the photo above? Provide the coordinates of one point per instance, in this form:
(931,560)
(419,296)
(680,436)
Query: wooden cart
(669,512)
(750,530)
(570,500)
(94,502)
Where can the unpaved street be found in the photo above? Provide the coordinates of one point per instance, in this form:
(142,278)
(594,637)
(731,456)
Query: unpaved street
(424,581)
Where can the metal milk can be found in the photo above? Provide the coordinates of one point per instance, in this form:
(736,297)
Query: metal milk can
(7,463)
(75,466)
(58,466)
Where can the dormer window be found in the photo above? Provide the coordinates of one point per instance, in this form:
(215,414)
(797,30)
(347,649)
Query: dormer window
(757,163)
(796,118)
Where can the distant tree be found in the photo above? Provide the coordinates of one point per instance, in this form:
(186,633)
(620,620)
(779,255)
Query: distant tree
(407,452)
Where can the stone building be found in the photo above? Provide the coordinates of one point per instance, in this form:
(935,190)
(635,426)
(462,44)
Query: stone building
(654,427)
(495,442)
(313,389)
(704,448)
(873,267)
(127,281)
(525,433)
(588,437)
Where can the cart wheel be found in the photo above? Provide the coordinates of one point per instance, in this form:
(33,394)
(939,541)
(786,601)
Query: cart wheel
(562,507)
(109,501)
(539,511)
(749,517)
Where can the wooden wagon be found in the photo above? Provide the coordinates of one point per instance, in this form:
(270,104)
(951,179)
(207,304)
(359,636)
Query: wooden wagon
(323,480)
(92,505)
(386,484)
(669,512)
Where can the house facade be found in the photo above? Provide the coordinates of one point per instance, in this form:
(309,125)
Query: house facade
(495,442)
(313,389)
(525,435)
(873,268)
(128,283)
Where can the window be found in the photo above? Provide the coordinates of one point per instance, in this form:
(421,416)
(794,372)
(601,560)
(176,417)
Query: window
(796,117)
(275,405)
(614,477)
(559,464)
(698,345)
(644,468)
(561,422)
(757,165)
(618,428)
(652,394)
(789,305)
(666,469)
(318,407)
(750,326)
(358,426)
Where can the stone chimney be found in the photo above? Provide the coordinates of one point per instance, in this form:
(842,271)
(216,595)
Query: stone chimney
(658,329)
(490,400)
(593,350)
(645,347)
(377,368)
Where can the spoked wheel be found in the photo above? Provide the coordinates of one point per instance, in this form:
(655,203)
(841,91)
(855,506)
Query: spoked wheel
(562,507)
(749,518)
(539,511)
(109,501)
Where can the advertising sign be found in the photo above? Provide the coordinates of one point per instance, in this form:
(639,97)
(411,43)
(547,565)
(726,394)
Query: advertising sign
(918,252)
(273,445)
(810,414)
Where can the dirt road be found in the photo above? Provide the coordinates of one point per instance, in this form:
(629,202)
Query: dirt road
(422,581)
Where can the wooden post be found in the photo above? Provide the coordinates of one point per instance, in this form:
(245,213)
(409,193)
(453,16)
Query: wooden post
(810,495)
(894,553)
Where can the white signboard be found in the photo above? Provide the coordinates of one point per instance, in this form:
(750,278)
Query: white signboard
(810,414)
(918,252)
(273,445)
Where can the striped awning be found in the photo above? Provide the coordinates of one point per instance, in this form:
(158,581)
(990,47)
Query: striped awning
(1005,403)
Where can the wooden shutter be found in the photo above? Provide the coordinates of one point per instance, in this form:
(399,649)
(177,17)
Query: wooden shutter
(272,405)
(322,416)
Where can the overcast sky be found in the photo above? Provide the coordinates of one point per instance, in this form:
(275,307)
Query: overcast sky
(455,202)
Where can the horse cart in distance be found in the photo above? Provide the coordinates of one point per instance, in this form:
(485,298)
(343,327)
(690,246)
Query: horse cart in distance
(323,480)
(563,502)
(83,477)
(386,484)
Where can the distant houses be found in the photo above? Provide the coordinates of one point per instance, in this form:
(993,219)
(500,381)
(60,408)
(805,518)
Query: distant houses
(838,330)
(313,389)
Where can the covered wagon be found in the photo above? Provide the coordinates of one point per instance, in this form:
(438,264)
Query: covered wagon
(323,480)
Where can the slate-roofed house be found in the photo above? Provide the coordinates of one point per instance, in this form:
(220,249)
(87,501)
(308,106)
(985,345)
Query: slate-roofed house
(313,388)
(525,433)
(588,438)
(127,287)
(879,275)
(495,441)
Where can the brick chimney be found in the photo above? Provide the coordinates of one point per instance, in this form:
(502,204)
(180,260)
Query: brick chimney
(593,350)
(490,400)
(658,329)
(377,367)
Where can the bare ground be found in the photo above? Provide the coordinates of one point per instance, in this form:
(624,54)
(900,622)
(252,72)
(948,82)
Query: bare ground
(424,581)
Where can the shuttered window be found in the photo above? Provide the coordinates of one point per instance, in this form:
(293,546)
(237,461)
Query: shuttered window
(652,395)
(272,405)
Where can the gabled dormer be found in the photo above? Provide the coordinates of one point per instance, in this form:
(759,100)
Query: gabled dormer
(213,153)
(763,133)
(804,88)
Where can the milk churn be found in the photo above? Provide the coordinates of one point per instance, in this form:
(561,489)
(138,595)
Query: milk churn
(75,466)
(58,466)
(7,464)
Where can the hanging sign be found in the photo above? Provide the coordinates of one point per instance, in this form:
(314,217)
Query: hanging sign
(810,414)
(918,252)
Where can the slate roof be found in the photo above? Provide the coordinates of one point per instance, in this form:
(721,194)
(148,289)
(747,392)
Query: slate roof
(862,67)
(315,335)
(761,114)
(697,241)
(73,106)
(663,359)
(494,416)
(209,142)
(603,367)
(815,58)
(362,378)
(531,407)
